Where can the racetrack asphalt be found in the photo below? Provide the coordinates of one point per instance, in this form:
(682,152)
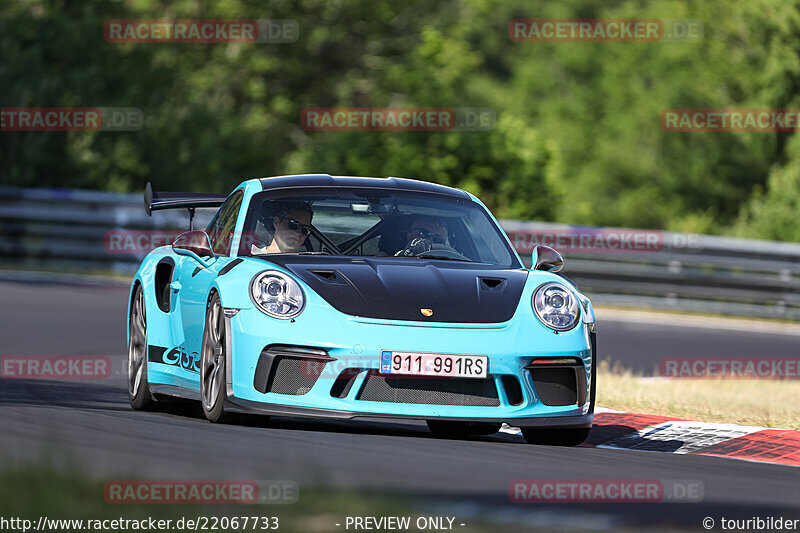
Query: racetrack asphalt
(90,423)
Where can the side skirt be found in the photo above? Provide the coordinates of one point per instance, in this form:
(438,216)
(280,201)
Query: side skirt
(174,390)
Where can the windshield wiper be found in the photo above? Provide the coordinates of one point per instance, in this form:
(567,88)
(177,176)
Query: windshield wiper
(314,253)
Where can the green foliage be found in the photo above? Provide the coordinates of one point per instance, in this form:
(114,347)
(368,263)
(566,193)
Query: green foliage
(775,213)
(577,138)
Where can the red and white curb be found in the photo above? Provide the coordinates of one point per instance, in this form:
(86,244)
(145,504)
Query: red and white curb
(629,431)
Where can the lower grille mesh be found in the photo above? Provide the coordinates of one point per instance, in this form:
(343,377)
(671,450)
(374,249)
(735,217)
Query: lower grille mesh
(433,391)
(293,375)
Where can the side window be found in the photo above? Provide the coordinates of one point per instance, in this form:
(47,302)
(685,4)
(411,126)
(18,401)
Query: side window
(221,227)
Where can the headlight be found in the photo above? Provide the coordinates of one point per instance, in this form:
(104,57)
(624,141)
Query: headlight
(556,306)
(277,294)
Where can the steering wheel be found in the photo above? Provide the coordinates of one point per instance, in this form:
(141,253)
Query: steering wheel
(420,246)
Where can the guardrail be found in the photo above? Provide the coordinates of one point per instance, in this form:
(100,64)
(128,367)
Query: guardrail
(68,231)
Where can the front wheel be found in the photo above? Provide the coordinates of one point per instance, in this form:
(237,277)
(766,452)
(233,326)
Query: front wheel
(212,366)
(138,387)
(555,436)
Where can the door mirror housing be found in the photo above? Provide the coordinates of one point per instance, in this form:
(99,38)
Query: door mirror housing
(195,244)
(547,259)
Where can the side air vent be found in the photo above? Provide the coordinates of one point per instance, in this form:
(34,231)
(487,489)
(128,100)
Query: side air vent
(513,389)
(344,382)
(227,268)
(163,278)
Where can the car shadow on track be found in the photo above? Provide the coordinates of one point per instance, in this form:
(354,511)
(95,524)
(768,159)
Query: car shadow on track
(361,426)
(62,393)
(627,437)
(114,397)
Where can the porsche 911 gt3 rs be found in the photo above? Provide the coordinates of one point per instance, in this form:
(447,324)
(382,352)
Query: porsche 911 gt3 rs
(340,297)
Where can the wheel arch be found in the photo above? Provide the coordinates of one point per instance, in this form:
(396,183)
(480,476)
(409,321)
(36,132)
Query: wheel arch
(137,282)
(159,319)
(211,292)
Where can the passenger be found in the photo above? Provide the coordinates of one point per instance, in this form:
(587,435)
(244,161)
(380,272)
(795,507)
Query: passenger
(292,224)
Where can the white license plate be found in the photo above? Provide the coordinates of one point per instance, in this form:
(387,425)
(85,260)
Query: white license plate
(434,364)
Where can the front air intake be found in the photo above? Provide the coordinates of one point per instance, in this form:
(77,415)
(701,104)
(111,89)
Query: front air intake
(289,369)
(427,390)
(559,382)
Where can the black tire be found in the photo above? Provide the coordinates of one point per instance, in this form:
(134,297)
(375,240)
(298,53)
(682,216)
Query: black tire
(139,393)
(453,429)
(555,436)
(212,363)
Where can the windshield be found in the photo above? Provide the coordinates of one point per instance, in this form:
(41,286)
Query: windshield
(373,223)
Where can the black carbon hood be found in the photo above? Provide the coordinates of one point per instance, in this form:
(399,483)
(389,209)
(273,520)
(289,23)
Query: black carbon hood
(400,288)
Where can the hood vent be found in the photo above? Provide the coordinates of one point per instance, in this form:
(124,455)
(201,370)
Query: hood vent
(327,275)
(492,284)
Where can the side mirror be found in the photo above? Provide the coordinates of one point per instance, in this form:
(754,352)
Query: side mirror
(195,244)
(547,259)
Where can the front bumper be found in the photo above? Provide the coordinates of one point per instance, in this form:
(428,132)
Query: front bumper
(356,343)
(575,421)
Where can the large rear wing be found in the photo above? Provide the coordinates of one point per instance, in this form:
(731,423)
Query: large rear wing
(179,200)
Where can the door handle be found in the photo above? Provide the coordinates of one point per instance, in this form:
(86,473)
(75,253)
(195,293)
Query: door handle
(175,286)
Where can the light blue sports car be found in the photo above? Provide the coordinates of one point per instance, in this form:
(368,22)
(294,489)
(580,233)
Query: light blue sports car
(342,297)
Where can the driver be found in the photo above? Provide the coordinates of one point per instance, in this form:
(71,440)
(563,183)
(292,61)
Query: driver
(423,234)
(292,224)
